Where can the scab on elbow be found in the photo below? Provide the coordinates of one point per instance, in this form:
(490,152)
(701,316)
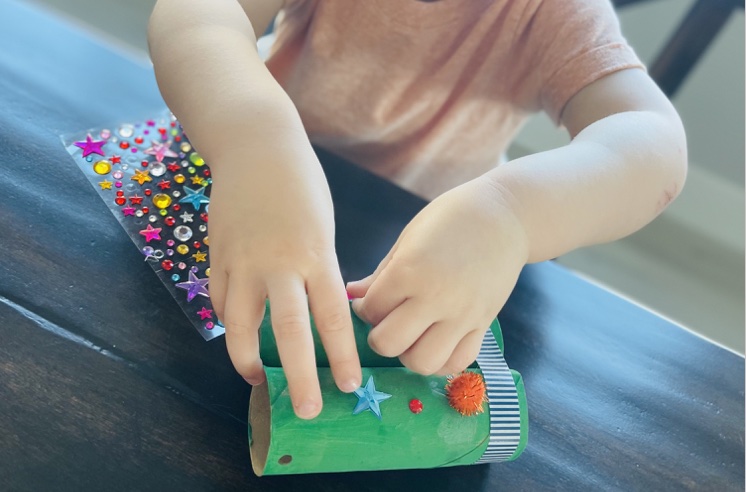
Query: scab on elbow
(668,196)
(677,175)
(673,190)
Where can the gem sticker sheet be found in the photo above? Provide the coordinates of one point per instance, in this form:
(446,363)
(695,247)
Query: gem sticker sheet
(158,188)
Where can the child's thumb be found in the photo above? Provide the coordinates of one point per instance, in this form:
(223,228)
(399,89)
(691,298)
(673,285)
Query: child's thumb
(359,288)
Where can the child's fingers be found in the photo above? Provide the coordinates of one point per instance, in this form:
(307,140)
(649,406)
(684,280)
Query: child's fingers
(359,288)
(464,354)
(243,313)
(385,294)
(218,287)
(433,349)
(401,329)
(291,325)
(331,312)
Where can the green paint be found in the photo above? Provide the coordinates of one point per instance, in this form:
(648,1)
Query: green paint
(338,441)
(368,358)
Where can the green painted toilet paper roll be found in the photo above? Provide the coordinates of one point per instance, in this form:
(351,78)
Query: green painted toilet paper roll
(368,358)
(337,440)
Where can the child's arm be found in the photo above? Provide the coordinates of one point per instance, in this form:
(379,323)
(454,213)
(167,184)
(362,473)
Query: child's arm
(271,219)
(626,163)
(455,264)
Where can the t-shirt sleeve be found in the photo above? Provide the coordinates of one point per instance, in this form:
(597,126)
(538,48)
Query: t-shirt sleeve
(571,44)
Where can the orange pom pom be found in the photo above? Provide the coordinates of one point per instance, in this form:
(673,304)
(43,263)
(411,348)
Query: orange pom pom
(466,393)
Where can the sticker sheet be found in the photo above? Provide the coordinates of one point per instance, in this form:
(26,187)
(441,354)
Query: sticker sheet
(158,188)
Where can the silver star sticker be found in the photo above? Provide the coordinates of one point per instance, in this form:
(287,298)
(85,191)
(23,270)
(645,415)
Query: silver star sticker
(187,217)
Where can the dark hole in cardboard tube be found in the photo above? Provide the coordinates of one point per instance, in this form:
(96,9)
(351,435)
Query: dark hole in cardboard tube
(285,459)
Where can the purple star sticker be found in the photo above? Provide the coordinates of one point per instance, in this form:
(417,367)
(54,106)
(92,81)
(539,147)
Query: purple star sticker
(90,146)
(194,287)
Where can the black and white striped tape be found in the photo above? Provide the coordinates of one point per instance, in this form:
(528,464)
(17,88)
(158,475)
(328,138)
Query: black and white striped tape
(505,414)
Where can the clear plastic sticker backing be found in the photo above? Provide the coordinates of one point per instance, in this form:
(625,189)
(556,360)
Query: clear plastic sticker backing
(158,188)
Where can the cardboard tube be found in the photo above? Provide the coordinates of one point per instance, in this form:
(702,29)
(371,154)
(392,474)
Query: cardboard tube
(368,358)
(338,441)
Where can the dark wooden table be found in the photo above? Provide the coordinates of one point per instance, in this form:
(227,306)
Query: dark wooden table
(102,387)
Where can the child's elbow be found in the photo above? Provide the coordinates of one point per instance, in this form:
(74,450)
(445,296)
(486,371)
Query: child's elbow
(679,157)
(675,158)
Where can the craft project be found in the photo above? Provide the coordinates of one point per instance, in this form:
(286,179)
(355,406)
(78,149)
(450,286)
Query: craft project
(158,188)
(397,420)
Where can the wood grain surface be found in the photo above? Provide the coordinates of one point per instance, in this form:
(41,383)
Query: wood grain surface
(104,386)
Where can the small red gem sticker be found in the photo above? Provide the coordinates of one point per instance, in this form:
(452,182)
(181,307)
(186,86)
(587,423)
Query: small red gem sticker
(415,406)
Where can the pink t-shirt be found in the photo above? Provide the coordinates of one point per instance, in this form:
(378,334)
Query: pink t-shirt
(429,94)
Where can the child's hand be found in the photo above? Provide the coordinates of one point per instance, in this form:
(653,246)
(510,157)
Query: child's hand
(272,235)
(450,272)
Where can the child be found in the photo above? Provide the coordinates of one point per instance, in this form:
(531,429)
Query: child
(429,95)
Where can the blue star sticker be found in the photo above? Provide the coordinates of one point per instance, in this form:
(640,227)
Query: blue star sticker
(369,399)
(195,197)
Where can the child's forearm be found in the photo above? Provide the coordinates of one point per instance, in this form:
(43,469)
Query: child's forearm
(212,78)
(616,176)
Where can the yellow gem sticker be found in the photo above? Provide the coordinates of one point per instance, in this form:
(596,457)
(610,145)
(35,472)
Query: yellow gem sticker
(161,200)
(102,167)
(182,249)
(179,178)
